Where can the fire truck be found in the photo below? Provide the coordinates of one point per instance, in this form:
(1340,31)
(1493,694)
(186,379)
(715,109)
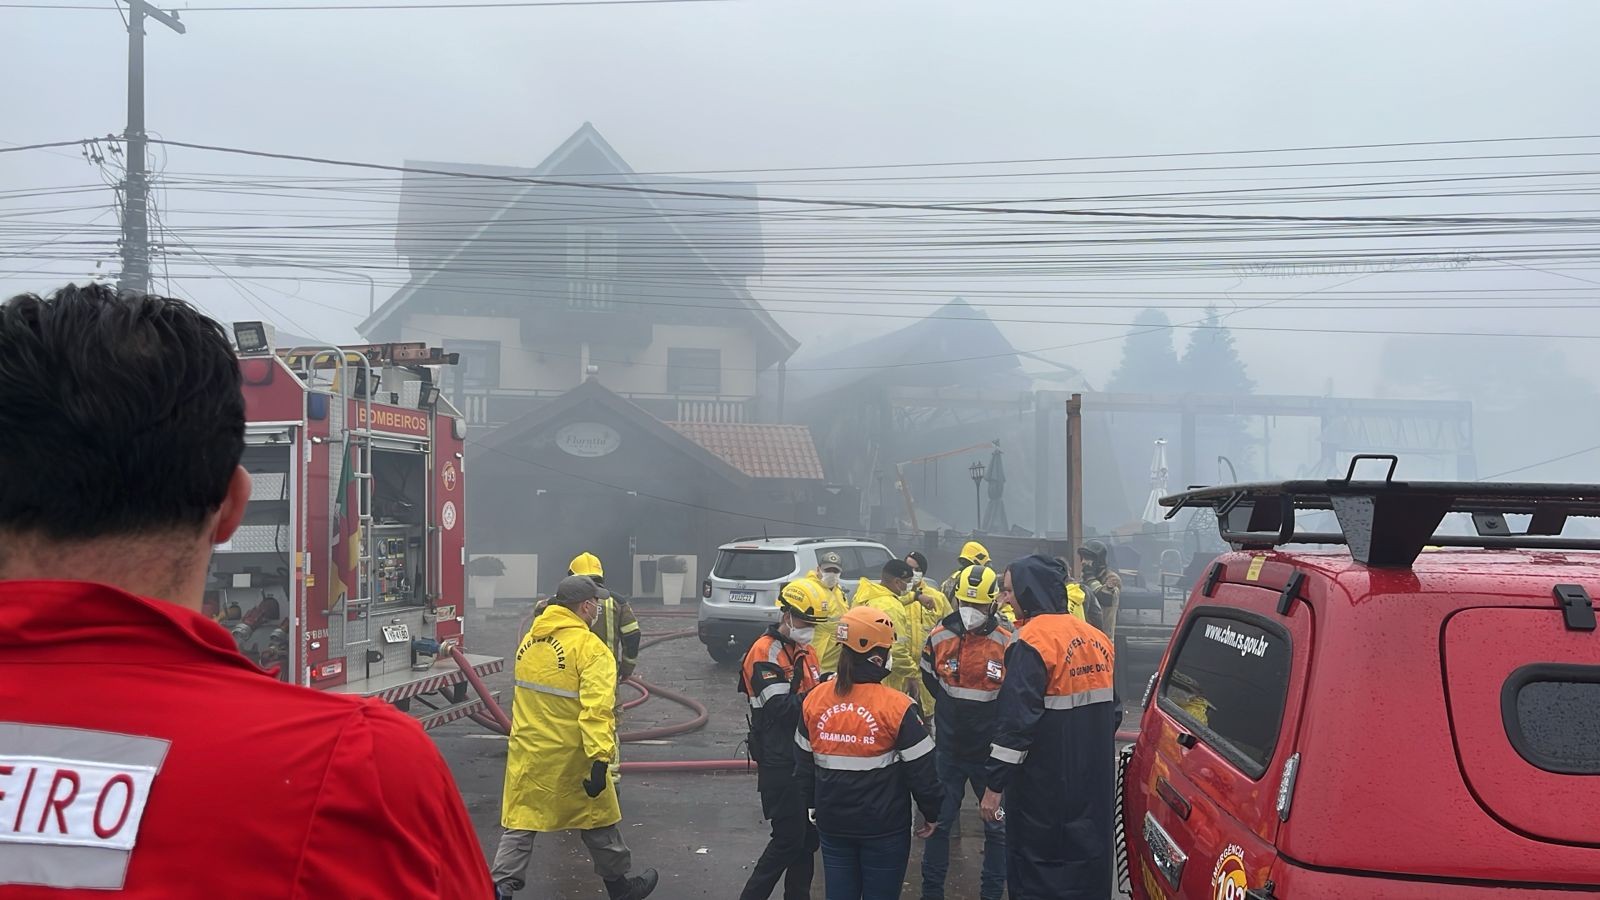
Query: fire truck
(348,572)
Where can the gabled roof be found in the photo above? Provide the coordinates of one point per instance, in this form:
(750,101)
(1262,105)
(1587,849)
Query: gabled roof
(592,392)
(759,450)
(956,345)
(732,223)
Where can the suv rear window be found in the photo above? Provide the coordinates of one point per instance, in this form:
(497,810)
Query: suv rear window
(862,562)
(1227,683)
(754,565)
(1552,715)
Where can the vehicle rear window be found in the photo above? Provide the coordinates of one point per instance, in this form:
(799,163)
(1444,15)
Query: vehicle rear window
(754,565)
(1552,715)
(862,562)
(1227,682)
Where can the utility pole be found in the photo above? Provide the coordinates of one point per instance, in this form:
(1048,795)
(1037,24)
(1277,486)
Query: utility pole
(136,183)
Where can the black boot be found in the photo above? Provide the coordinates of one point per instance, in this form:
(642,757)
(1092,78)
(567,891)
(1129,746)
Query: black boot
(504,891)
(637,887)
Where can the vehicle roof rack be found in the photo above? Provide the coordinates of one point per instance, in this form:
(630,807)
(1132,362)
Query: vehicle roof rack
(1388,523)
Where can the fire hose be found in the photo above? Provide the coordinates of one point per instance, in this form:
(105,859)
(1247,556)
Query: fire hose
(497,721)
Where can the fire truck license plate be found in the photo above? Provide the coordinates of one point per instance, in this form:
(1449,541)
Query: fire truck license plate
(396,634)
(741,596)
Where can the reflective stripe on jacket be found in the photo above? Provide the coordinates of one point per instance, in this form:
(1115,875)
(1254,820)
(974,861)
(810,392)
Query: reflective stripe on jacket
(1054,758)
(862,757)
(965,669)
(767,679)
(562,719)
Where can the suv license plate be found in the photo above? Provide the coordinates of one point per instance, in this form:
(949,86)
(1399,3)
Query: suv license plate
(741,596)
(396,634)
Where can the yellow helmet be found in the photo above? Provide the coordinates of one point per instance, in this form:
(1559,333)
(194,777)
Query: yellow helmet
(586,564)
(800,599)
(978,585)
(864,628)
(975,552)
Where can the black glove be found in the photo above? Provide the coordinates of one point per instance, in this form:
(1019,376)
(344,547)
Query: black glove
(599,777)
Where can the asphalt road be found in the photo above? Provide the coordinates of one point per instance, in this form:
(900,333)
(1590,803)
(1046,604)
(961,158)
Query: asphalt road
(701,831)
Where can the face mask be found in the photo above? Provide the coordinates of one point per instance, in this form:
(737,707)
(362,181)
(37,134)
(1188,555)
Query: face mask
(916,581)
(803,635)
(973,616)
(830,580)
(868,669)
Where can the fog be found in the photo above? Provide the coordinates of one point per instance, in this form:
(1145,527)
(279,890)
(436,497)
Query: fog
(782,96)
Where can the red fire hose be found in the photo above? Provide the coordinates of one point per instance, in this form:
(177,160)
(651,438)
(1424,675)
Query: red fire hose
(502,722)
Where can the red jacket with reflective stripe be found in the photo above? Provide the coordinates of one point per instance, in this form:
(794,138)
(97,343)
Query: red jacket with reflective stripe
(164,763)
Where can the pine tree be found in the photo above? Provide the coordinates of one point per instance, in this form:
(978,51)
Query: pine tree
(1211,363)
(1149,362)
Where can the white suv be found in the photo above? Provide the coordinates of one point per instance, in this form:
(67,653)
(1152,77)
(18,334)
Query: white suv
(740,599)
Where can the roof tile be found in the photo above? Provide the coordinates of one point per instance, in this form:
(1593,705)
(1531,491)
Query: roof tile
(759,450)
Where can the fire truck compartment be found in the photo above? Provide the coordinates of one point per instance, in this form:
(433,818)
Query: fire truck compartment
(249,590)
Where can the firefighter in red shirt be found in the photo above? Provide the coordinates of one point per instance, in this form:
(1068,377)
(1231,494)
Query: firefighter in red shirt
(864,754)
(963,665)
(777,672)
(139,752)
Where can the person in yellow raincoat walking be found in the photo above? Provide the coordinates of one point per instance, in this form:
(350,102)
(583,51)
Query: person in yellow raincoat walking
(885,596)
(563,737)
(826,578)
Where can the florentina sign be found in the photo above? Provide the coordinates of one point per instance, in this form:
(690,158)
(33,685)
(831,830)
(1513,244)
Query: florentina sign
(588,439)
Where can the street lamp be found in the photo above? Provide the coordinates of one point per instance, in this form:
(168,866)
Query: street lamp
(976,471)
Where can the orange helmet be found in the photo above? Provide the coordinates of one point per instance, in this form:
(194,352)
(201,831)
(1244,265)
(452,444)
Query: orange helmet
(864,628)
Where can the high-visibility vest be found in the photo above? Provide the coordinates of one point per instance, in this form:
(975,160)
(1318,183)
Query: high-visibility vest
(969,666)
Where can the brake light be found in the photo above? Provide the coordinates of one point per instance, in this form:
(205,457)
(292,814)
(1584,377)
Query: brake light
(705,589)
(327,670)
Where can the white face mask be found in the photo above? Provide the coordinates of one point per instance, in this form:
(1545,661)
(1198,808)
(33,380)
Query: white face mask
(916,581)
(830,579)
(803,635)
(973,616)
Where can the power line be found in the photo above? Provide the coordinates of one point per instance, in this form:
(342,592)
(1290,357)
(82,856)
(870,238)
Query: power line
(863,204)
(1544,462)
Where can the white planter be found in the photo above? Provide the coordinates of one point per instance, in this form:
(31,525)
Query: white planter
(672,588)
(482,589)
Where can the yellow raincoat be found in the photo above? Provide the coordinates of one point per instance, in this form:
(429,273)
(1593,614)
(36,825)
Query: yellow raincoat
(923,620)
(833,607)
(562,719)
(904,673)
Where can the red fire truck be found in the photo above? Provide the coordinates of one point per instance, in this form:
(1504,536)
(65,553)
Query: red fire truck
(348,572)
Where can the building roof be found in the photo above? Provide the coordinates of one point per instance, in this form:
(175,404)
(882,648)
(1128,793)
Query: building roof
(441,215)
(760,451)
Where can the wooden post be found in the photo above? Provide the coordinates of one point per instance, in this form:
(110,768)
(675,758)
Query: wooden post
(1074,473)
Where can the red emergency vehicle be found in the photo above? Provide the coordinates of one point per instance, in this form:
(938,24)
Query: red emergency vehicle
(348,572)
(1418,717)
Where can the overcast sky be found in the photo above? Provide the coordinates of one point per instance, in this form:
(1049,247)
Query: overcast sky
(770,83)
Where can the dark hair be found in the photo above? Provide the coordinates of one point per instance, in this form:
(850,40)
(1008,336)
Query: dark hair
(897,568)
(121,414)
(844,678)
(921,561)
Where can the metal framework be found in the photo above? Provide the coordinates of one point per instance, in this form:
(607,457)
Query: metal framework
(1388,523)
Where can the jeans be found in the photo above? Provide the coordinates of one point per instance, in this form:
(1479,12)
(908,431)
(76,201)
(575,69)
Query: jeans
(791,854)
(954,776)
(874,868)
